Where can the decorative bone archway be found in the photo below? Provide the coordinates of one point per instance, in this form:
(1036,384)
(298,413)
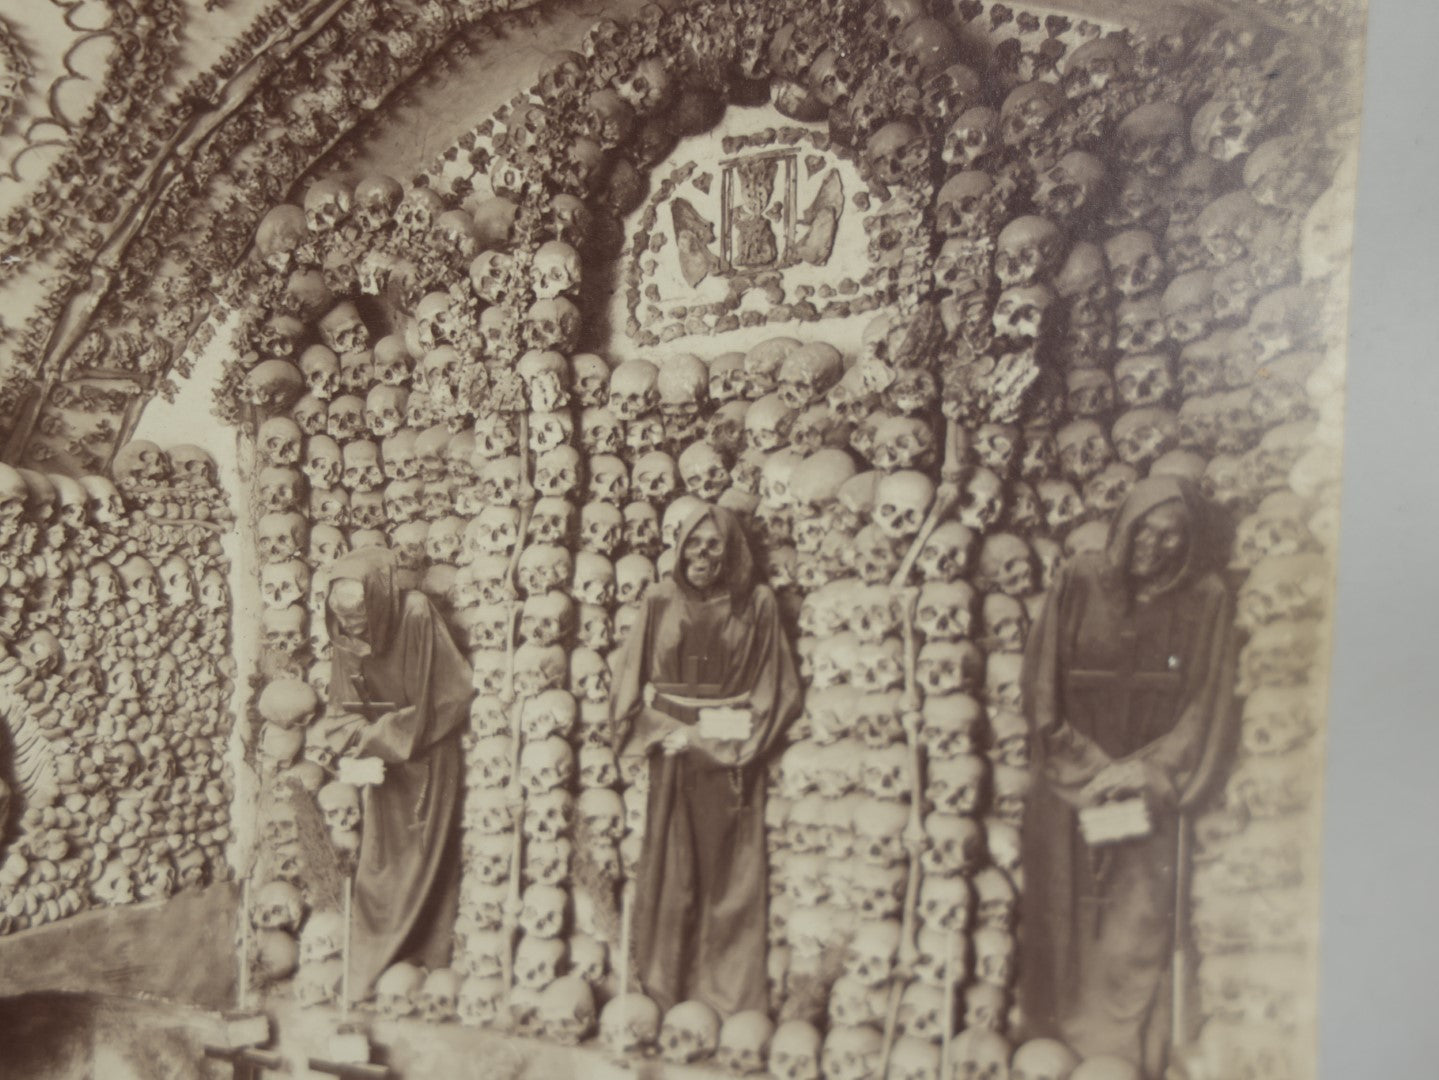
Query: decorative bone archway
(1082,266)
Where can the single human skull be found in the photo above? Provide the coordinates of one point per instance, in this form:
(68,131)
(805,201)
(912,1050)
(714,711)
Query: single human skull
(609,480)
(630,1024)
(345,418)
(343,330)
(1027,250)
(557,472)
(945,555)
(1142,435)
(690,1033)
(982,502)
(538,960)
(1136,266)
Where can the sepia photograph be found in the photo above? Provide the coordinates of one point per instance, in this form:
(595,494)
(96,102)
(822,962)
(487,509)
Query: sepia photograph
(543,541)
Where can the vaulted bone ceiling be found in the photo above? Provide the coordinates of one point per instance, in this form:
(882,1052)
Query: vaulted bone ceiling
(138,215)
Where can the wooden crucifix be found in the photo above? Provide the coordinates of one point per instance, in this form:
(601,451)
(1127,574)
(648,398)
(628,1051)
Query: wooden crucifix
(1126,680)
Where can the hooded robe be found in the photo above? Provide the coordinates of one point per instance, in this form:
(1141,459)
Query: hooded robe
(1111,676)
(407,875)
(699,923)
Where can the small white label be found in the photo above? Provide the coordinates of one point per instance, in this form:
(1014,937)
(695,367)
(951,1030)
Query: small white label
(362,772)
(725,724)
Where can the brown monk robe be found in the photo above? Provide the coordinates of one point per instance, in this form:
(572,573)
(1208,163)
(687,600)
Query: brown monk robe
(398,650)
(1129,684)
(710,633)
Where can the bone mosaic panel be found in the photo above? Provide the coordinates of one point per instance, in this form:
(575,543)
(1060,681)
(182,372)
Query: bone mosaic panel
(1118,284)
(115,698)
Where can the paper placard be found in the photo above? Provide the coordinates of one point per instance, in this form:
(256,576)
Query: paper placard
(362,772)
(725,724)
(1114,822)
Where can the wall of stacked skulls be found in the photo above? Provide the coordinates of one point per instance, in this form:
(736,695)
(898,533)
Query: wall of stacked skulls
(115,689)
(1116,280)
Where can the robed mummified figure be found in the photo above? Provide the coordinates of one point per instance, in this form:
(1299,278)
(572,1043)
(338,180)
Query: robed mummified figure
(393,652)
(707,648)
(1128,686)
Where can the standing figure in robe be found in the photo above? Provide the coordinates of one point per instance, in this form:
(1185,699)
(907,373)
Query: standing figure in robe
(1128,684)
(708,637)
(393,654)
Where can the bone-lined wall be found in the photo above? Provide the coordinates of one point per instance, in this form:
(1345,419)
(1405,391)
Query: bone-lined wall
(115,694)
(1089,254)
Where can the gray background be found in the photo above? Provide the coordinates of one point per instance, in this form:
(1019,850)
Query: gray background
(1381,879)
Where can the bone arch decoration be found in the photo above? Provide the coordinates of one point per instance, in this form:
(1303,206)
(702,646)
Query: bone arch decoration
(1032,473)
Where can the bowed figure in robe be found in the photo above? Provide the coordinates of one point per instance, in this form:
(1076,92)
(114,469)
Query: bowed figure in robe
(394,657)
(705,686)
(1128,684)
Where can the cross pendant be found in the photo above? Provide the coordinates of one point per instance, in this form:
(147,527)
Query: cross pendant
(1126,679)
